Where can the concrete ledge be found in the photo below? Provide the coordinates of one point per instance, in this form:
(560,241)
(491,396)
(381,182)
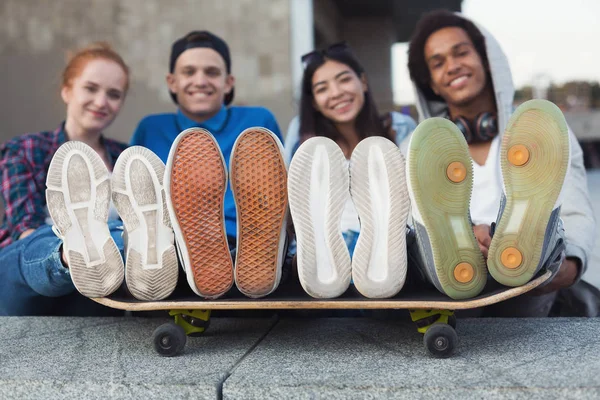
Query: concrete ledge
(358,358)
(309,358)
(114,358)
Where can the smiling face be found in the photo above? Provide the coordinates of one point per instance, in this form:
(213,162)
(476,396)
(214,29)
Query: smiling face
(456,69)
(200,82)
(95,96)
(338,92)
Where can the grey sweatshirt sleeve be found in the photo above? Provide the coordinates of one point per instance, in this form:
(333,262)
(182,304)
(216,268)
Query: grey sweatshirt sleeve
(576,211)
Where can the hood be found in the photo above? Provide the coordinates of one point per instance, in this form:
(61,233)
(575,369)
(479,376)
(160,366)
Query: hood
(501,80)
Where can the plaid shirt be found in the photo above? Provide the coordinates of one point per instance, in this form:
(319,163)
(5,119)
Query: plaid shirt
(24,163)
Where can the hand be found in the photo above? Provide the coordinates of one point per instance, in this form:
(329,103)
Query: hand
(565,277)
(63,257)
(482,234)
(26,233)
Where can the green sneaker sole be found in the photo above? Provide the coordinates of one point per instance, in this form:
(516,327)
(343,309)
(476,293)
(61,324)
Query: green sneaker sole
(534,157)
(440,177)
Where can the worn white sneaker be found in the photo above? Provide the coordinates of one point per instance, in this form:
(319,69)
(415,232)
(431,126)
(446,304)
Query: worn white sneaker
(78,199)
(151,267)
(318,188)
(379,193)
(535,158)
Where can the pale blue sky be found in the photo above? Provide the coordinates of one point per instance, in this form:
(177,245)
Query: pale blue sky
(556,38)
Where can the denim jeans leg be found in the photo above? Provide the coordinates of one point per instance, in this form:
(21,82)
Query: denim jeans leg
(116,231)
(350,237)
(32,274)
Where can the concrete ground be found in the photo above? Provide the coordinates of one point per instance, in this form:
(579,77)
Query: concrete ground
(327,358)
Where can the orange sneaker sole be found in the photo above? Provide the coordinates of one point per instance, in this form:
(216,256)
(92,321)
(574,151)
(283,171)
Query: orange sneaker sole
(196,181)
(259,185)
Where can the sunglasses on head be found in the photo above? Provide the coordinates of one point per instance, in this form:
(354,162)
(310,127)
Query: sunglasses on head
(318,55)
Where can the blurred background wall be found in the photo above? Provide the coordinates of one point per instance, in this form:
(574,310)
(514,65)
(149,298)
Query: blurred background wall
(266,37)
(35,36)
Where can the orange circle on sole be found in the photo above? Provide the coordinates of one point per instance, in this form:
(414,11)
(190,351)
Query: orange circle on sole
(511,258)
(518,155)
(464,272)
(456,172)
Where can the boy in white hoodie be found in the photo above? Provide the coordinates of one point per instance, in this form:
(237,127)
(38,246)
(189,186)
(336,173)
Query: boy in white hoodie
(460,73)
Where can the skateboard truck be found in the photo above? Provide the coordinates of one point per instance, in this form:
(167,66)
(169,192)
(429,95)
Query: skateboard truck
(193,322)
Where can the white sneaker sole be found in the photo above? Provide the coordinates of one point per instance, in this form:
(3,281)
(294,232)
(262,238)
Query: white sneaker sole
(379,193)
(151,267)
(78,199)
(318,187)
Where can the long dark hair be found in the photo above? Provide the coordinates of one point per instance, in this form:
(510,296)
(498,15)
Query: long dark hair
(313,123)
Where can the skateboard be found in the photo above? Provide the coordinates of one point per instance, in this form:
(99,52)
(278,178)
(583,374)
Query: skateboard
(432,312)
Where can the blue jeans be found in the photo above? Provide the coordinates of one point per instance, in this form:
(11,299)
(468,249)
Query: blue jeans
(33,280)
(350,237)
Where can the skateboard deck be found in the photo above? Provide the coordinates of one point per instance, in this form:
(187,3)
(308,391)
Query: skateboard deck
(296,299)
(432,312)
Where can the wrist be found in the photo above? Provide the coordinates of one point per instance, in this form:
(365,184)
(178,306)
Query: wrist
(573,269)
(63,257)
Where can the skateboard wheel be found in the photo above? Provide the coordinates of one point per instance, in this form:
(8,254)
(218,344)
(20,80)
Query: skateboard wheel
(169,339)
(464,272)
(518,155)
(456,172)
(440,339)
(511,258)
